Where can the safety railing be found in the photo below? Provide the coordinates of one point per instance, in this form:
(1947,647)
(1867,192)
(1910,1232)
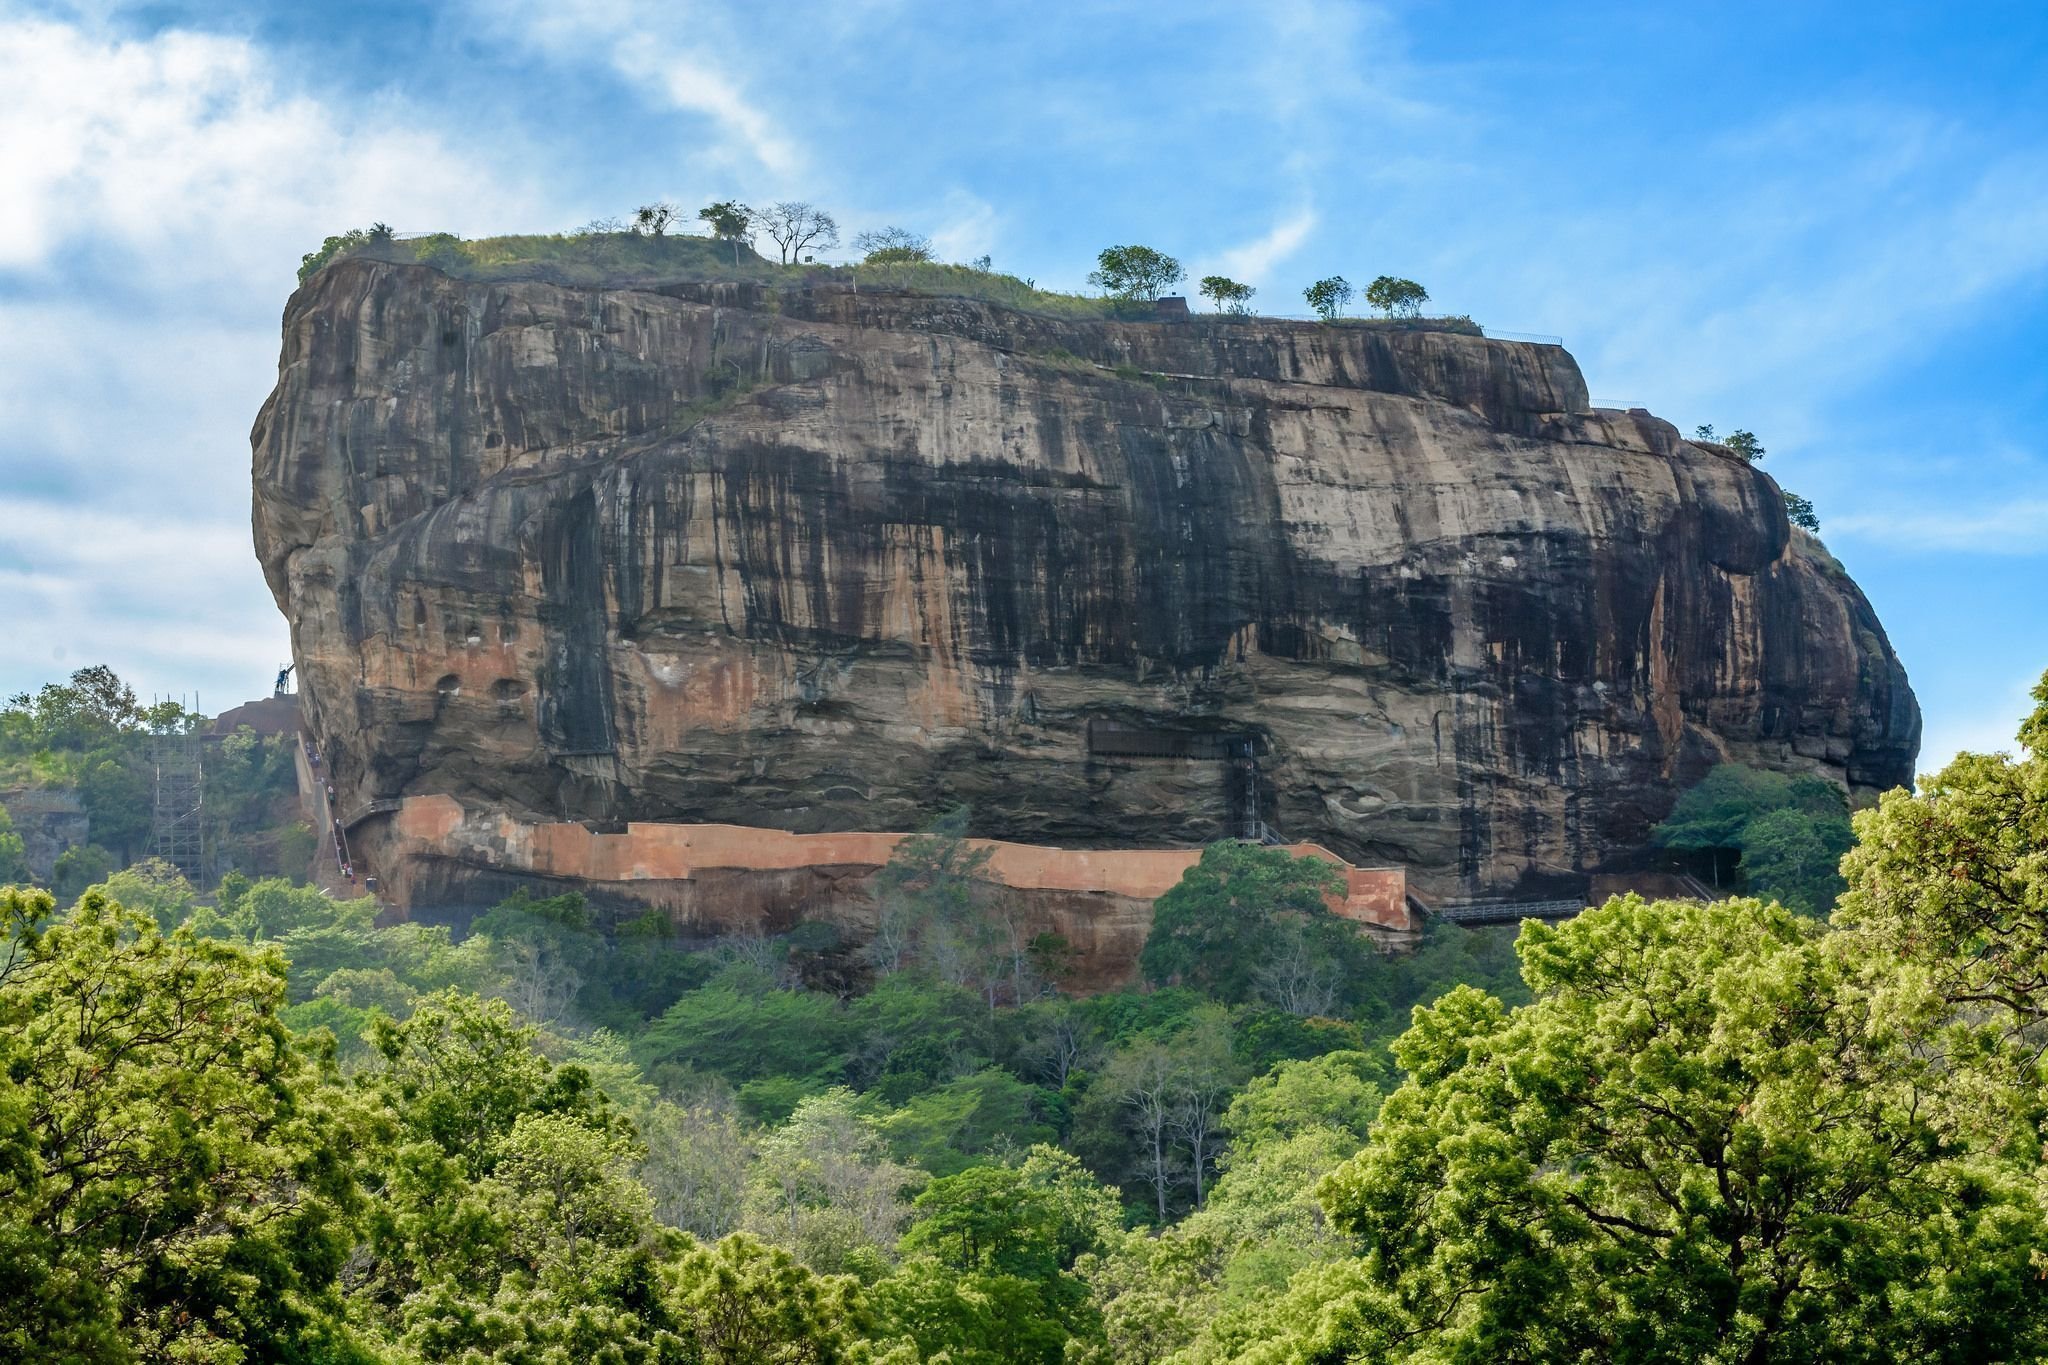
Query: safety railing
(1505,912)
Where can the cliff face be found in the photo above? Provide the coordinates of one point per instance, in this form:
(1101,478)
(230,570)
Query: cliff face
(824,561)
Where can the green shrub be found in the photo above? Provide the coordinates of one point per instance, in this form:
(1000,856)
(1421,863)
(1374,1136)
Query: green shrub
(1789,833)
(80,867)
(376,235)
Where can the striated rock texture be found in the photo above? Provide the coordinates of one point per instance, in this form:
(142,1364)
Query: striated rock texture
(829,561)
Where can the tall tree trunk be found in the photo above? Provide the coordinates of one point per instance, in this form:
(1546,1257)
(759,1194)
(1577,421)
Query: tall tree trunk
(1159,1168)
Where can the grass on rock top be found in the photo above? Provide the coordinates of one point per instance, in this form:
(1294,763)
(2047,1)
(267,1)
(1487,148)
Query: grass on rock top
(628,260)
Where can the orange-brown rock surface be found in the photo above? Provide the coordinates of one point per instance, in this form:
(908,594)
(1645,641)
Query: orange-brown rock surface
(823,561)
(713,880)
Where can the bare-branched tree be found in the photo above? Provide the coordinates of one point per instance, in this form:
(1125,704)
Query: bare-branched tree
(1145,1078)
(1057,1044)
(698,1155)
(538,980)
(1298,977)
(1202,1091)
(796,227)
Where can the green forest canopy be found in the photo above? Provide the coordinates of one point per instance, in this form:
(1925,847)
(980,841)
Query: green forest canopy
(269,1129)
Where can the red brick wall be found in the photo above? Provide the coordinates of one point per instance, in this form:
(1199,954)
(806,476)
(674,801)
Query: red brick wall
(711,876)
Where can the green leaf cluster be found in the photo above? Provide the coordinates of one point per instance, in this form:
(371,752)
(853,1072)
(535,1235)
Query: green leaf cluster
(1134,273)
(1706,1139)
(1725,1131)
(1396,297)
(1229,296)
(1328,297)
(1954,880)
(173,1172)
(181,1178)
(1789,832)
(1248,922)
(13,853)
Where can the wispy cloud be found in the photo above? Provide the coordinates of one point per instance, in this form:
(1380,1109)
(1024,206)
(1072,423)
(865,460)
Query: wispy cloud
(2016,526)
(689,83)
(1313,55)
(967,227)
(676,53)
(1859,234)
(155,195)
(1255,260)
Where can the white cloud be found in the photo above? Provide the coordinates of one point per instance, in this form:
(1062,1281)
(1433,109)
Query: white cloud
(130,412)
(173,605)
(1254,260)
(673,52)
(182,149)
(155,196)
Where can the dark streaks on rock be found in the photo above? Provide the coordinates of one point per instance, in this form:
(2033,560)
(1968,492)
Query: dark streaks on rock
(825,561)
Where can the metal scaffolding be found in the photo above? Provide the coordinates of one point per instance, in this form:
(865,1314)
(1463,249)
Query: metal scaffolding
(178,818)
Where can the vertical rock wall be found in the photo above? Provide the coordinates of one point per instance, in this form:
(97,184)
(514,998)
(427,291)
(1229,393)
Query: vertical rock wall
(822,561)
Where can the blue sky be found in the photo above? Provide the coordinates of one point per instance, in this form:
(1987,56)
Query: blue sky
(1825,222)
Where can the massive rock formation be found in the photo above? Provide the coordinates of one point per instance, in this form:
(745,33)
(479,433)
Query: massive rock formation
(823,560)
